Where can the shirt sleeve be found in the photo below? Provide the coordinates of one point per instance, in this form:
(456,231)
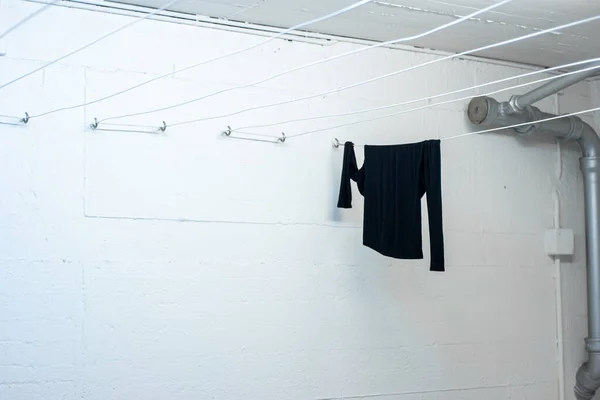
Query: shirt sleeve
(349,169)
(433,183)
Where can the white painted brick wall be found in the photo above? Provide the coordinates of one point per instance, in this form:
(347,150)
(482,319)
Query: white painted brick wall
(105,295)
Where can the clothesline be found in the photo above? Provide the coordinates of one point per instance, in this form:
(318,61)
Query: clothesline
(127,25)
(429,105)
(357,4)
(278,139)
(260,81)
(271,138)
(337,143)
(354,85)
(367,110)
(235,52)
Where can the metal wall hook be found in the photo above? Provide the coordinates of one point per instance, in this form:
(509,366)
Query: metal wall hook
(163,127)
(26,119)
(94,124)
(227,132)
(282,138)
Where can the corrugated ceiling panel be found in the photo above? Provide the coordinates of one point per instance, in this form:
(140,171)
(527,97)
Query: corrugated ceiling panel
(392,19)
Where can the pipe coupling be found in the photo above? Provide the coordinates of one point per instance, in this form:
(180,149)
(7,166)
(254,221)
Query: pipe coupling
(592,345)
(533,114)
(589,164)
(575,129)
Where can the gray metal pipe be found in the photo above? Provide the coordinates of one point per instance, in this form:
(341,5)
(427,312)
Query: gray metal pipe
(588,375)
(554,86)
(591,172)
(489,112)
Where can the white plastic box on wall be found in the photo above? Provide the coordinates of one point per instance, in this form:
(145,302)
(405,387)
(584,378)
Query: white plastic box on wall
(559,242)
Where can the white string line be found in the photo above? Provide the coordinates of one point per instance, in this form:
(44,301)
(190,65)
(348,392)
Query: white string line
(252,133)
(522,124)
(139,19)
(437,95)
(27,18)
(130,125)
(260,81)
(437,104)
(518,125)
(505,42)
(269,39)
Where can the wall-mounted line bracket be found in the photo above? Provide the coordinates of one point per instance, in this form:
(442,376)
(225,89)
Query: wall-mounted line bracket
(228,133)
(11,120)
(102,126)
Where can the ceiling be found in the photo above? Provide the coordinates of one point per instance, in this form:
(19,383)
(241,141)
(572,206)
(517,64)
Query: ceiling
(392,19)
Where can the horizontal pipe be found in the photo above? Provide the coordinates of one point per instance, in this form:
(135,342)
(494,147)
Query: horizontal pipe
(486,111)
(552,87)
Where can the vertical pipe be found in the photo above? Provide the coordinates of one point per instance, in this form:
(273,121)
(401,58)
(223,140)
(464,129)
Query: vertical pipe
(487,111)
(588,375)
(591,174)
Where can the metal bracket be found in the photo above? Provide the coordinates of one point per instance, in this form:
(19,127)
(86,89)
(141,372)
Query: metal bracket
(128,128)
(16,121)
(229,131)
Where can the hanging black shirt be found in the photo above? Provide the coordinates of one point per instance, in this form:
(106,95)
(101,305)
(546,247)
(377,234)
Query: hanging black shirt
(393,180)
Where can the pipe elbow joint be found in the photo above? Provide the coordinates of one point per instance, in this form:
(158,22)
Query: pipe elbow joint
(588,374)
(587,382)
(588,141)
